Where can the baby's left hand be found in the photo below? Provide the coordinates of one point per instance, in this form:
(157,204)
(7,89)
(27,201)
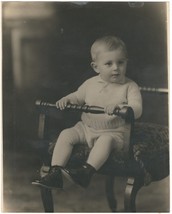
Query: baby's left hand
(109,109)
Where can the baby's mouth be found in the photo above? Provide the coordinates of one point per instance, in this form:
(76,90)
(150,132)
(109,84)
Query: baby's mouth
(115,75)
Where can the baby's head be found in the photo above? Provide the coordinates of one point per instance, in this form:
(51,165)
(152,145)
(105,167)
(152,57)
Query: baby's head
(107,43)
(109,59)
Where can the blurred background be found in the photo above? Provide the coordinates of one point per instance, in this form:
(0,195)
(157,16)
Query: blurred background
(46,55)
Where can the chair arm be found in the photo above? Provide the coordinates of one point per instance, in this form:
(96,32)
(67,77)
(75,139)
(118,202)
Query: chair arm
(125,112)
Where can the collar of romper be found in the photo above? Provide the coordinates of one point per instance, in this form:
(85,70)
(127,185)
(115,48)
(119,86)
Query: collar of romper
(105,84)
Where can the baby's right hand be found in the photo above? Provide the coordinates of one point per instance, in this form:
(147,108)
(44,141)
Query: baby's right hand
(62,103)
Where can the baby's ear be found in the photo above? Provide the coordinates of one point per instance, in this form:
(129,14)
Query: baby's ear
(94,66)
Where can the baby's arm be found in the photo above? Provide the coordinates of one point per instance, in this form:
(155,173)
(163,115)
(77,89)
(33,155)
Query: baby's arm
(77,97)
(134,100)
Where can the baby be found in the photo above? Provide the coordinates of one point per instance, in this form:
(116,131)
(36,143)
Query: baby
(102,132)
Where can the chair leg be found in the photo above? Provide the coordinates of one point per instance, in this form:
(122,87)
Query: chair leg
(47,199)
(110,193)
(132,187)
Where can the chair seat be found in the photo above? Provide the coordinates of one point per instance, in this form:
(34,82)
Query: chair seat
(150,149)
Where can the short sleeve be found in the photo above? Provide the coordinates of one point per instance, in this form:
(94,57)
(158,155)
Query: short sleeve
(78,97)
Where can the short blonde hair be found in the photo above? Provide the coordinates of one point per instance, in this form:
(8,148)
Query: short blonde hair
(109,43)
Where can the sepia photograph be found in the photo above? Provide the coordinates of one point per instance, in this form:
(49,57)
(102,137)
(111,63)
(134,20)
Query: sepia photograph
(85,99)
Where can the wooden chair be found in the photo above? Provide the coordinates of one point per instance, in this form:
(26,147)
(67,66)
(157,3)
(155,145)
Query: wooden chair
(147,159)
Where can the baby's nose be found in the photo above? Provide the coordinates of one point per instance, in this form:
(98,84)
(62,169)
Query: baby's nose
(115,66)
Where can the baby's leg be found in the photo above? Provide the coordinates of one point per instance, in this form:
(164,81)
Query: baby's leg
(64,145)
(101,151)
(61,154)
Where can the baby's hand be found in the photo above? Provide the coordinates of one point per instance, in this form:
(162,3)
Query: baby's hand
(62,103)
(109,109)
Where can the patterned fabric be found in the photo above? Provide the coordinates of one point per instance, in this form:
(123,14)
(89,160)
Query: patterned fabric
(150,149)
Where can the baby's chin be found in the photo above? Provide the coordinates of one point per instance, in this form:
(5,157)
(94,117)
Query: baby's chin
(117,80)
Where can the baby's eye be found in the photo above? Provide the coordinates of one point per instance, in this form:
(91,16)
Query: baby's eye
(121,62)
(108,63)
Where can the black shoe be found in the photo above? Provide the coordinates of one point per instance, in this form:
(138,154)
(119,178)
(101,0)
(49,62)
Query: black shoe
(81,176)
(52,180)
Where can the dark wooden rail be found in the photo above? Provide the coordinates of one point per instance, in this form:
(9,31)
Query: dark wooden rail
(125,112)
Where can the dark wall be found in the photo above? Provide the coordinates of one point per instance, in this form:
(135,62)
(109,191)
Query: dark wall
(58,60)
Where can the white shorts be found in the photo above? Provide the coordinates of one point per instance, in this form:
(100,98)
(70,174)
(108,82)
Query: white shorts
(88,135)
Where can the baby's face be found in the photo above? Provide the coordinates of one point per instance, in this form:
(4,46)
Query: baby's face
(111,65)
